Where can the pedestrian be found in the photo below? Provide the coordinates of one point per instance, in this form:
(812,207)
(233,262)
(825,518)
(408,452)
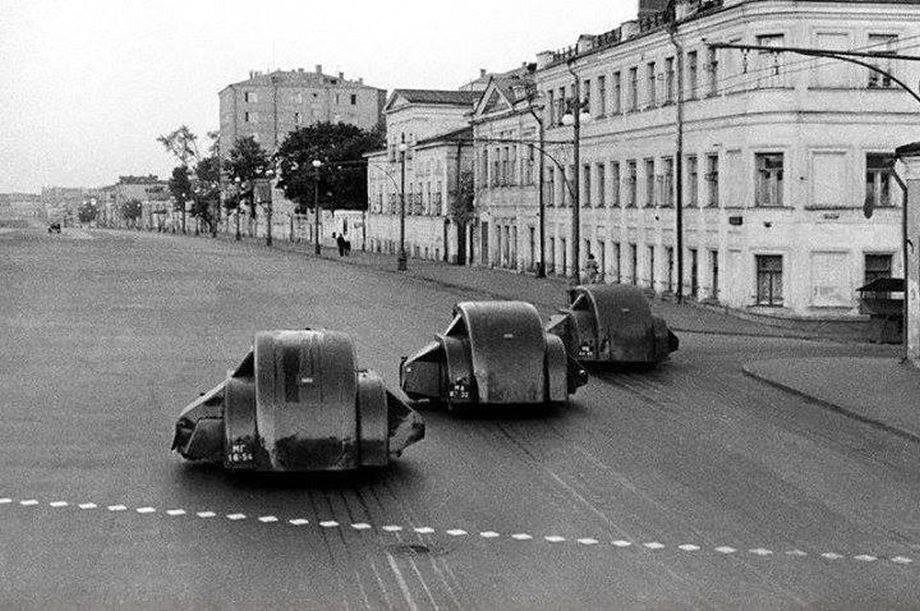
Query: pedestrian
(591,271)
(347,247)
(340,242)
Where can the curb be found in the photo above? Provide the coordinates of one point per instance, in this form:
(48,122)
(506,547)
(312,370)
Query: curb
(745,369)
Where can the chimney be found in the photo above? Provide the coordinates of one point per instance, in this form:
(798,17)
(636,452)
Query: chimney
(251,74)
(544,58)
(629,29)
(482,73)
(300,70)
(585,43)
(360,80)
(341,76)
(319,68)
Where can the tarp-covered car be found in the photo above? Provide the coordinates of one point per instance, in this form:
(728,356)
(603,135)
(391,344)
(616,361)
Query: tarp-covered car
(297,402)
(494,352)
(612,323)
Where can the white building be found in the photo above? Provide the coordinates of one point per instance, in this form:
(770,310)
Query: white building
(779,153)
(427,132)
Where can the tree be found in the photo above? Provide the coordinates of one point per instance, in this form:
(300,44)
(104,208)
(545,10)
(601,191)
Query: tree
(247,161)
(182,143)
(206,191)
(132,210)
(88,212)
(180,187)
(344,174)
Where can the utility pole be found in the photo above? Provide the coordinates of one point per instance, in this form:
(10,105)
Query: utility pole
(576,105)
(679,161)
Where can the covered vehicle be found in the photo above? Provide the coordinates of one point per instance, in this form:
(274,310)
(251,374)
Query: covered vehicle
(297,402)
(612,323)
(493,352)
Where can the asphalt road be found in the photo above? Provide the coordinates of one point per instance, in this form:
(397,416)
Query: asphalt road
(691,485)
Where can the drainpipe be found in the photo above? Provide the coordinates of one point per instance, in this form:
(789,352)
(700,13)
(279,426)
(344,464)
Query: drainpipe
(905,255)
(679,161)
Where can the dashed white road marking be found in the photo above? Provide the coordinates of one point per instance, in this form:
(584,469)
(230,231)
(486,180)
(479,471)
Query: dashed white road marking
(58,504)
(361,526)
(268,519)
(117,508)
(622,543)
(456,532)
(653,545)
(175,512)
(298,522)
(391,528)
(328,523)
(588,541)
(146,510)
(424,530)
(865,558)
(521,537)
(87,505)
(489,534)
(759,551)
(724,549)
(236,516)
(831,556)
(688,547)
(901,560)
(5,501)
(796,552)
(206,514)
(554,538)
(28,503)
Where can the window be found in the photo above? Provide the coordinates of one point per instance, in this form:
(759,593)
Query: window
(768,181)
(649,183)
(601,108)
(354,100)
(633,92)
(878,179)
(586,186)
(560,104)
(712,69)
(669,253)
(631,183)
(250,97)
(615,96)
(714,263)
(550,186)
(712,181)
(693,184)
(651,267)
(505,173)
(767,65)
(769,280)
(881,43)
(528,167)
(615,255)
(668,80)
(551,107)
(667,182)
(692,74)
(247,117)
(296,118)
(601,185)
(694,273)
(337,99)
(633,263)
(586,97)
(615,183)
(512,166)
(652,85)
(877,266)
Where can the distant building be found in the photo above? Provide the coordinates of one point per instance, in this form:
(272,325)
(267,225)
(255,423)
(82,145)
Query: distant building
(269,106)
(433,126)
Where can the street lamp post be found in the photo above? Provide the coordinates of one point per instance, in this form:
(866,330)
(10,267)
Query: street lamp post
(239,203)
(574,117)
(401,258)
(317,164)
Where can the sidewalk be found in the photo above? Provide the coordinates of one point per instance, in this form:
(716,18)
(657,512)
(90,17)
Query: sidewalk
(550,293)
(879,391)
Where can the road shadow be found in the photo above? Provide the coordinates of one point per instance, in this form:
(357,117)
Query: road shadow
(494,413)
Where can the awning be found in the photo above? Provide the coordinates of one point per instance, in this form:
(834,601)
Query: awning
(883,285)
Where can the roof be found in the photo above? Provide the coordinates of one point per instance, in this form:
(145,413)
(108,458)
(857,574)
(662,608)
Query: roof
(458,135)
(438,96)
(298,78)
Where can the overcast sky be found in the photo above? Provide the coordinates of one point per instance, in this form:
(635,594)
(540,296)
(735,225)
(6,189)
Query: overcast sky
(88,85)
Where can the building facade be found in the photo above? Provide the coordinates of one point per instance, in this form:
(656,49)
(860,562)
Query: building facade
(777,154)
(269,106)
(429,142)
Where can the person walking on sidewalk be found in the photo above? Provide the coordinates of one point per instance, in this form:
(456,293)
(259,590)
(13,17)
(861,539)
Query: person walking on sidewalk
(340,243)
(591,272)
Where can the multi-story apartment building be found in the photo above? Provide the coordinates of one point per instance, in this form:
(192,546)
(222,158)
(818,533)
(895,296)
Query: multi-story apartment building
(506,125)
(777,153)
(269,106)
(429,139)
